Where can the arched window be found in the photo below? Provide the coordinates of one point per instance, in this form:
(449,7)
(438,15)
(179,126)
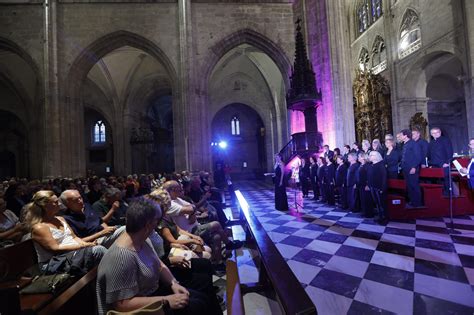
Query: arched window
(367,12)
(410,34)
(99,132)
(379,55)
(235,126)
(364,59)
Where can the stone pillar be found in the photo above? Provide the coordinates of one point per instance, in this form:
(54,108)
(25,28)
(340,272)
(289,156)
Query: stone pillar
(196,150)
(52,166)
(468,6)
(185,140)
(340,63)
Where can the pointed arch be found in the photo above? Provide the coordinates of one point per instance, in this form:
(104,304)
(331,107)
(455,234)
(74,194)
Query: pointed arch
(103,45)
(378,55)
(409,39)
(251,37)
(364,59)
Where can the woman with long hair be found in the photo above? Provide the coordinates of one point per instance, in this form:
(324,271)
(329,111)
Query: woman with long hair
(51,233)
(281,200)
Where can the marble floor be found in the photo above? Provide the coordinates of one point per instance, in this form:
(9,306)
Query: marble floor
(351,265)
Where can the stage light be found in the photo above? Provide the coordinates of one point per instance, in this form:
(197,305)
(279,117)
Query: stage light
(222,144)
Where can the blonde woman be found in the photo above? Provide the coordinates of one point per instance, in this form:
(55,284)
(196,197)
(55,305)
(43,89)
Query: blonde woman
(50,233)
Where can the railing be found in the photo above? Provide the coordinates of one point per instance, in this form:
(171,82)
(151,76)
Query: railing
(301,143)
(273,270)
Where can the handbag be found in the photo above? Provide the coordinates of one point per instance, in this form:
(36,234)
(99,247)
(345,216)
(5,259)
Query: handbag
(48,283)
(155,308)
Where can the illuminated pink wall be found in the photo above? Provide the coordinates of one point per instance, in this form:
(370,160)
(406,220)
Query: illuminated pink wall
(319,54)
(296,121)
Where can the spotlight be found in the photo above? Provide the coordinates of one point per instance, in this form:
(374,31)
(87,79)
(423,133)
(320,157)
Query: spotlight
(222,144)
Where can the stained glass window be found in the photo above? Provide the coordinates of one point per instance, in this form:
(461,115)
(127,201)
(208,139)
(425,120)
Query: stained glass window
(99,132)
(235,126)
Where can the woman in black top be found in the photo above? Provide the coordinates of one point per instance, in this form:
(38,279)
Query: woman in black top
(366,202)
(304,176)
(341,183)
(392,159)
(321,171)
(329,181)
(377,182)
(313,170)
(281,201)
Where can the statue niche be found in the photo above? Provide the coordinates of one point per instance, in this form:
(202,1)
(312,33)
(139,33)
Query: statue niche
(372,109)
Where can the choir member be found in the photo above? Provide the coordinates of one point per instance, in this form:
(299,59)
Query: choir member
(392,159)
(365,197)
(352,195)
(440,152)
(341,184)
(313,171)
(410,164)
(329,178)
(377,182)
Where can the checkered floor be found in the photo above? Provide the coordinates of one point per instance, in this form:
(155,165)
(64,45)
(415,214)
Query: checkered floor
(351,265)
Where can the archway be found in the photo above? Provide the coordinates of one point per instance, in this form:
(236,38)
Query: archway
(247,75)
(447,109)
(238,140)
(98,143)
(20,111)
(127,71)
(14,149)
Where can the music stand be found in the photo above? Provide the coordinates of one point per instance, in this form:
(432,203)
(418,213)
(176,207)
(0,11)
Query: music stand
(295,191)
(451,230)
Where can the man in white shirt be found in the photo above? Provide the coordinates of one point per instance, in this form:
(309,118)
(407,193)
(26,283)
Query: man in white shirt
(183,215)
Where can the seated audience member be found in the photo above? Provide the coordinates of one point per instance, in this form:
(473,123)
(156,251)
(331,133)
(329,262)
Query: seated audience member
(440,152)
(183,214)
(15,196)
(341,184)
(329,181)
(365,197)
(352,195)
(109,207)
(147,279)
(51,234)
(10,226)
(95,190)
(377,182)
(172,234)
(392,159)
(85,222)
(410,163)
(201,200)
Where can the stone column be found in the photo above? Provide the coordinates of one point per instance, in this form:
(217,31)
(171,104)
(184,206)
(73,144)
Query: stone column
(340,63)
(52,166)
(182,117)
(468,6)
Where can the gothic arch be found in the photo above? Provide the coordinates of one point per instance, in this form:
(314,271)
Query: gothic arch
(245,36)
(78,71)
(36,109)
(102,46)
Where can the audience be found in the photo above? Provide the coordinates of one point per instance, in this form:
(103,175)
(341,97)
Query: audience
(51,234)
(147,279)
(10,227)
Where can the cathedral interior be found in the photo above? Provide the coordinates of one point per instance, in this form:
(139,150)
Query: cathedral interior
(120,87)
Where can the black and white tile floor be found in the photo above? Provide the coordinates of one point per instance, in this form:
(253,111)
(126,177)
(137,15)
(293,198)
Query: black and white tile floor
(350,265)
